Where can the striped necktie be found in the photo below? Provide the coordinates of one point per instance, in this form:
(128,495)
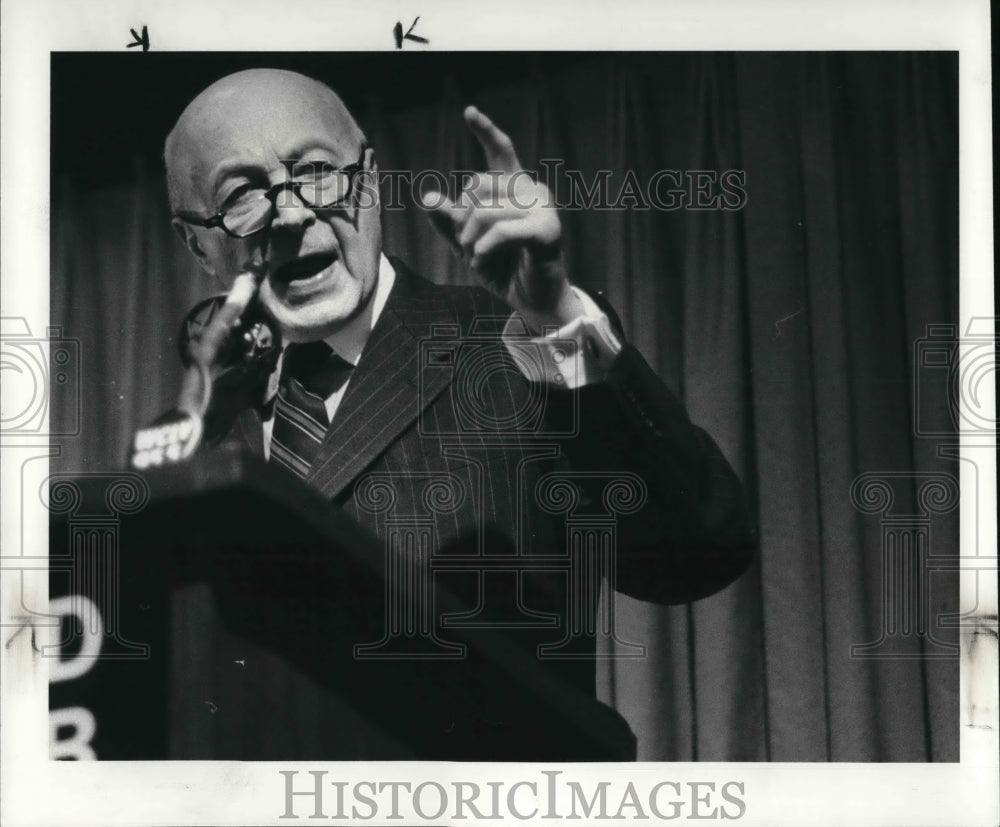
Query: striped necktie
(309,374)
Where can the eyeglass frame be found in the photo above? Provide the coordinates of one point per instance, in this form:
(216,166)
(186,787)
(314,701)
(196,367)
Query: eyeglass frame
(270,194)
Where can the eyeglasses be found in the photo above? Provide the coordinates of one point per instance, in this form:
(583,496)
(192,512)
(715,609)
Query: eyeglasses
(254,210)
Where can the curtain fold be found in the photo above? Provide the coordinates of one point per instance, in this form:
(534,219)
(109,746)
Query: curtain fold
(788,326)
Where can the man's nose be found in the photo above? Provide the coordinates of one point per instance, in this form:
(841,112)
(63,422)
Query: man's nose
(291,212)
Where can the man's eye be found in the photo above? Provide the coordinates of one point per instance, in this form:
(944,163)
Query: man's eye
(311,170)
(241,195)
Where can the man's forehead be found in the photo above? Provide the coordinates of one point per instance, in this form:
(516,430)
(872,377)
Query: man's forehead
(259,112)
(271,103)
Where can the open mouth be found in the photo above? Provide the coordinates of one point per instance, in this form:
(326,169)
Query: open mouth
(303,268)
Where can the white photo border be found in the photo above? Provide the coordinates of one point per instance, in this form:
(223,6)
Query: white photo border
(34,790)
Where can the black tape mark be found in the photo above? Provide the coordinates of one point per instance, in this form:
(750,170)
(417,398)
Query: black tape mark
(139,40)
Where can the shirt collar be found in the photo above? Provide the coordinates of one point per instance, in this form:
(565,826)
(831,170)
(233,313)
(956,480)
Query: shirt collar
(350,340)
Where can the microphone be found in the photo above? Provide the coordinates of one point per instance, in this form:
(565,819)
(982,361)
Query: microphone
(196,391)
(177,435)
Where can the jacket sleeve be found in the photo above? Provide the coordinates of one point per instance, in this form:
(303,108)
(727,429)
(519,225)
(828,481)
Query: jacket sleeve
(695,535)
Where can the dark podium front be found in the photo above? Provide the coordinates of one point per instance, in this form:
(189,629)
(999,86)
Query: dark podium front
(238,616)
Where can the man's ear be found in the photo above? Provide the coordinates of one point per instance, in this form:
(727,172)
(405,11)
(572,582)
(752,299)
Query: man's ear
(371,190)
(189,238)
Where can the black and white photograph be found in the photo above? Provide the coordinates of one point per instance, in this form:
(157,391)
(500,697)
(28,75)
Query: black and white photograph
(440,427)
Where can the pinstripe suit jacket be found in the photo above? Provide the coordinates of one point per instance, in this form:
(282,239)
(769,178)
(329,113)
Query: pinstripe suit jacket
(441,443)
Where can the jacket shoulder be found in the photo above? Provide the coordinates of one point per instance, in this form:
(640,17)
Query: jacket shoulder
(474,308)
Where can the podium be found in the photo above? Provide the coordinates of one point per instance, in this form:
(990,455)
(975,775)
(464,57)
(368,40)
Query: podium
(220,608)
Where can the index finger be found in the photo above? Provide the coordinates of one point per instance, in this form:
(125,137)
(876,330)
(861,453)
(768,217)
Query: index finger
(497,145)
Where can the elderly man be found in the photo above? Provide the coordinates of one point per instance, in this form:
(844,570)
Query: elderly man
(268,170)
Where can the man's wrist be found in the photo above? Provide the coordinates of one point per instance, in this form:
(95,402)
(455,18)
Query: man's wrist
(580,352)
(564,309)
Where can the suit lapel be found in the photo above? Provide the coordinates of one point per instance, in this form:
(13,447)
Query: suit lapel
(385,395)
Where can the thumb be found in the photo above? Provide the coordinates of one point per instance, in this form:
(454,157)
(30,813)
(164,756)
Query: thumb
(446,216)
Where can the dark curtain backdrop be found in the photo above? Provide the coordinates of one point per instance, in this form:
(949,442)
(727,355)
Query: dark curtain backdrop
(786,326)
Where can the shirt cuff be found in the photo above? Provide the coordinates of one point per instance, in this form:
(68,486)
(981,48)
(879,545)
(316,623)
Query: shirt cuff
(576,354)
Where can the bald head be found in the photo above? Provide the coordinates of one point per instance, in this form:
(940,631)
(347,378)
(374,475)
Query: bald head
(247,134)
(247,106)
